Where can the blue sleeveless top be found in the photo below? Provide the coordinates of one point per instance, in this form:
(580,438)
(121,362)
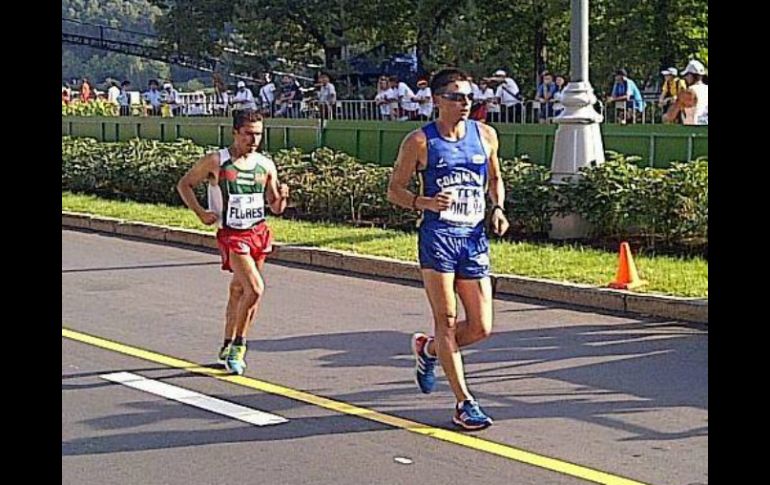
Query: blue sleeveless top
(459,167)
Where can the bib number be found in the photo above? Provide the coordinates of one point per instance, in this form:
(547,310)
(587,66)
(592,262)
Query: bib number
(467,208)
(244,211)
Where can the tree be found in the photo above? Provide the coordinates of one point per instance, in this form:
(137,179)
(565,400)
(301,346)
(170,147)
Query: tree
(523,37)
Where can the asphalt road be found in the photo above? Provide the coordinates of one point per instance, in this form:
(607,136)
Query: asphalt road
(622,397)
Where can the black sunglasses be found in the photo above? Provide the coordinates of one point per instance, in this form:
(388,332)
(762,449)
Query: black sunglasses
(457,96)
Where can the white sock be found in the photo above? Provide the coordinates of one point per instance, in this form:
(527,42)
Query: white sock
(460,403)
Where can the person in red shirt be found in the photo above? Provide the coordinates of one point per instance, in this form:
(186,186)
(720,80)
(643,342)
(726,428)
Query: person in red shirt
(85,91)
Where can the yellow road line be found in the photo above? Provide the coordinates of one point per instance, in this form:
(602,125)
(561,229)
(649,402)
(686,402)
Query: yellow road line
(467,441)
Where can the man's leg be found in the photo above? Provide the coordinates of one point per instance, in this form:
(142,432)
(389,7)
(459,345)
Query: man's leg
(247,275)
(234,297)
(476,297)
(236,291)
(441,295)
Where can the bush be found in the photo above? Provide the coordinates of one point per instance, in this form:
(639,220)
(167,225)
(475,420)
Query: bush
(98,107)
(139,170)
(624,200)
(530,199)
(620,199)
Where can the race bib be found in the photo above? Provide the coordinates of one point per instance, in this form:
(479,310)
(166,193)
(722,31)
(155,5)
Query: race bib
(244,211)
(467,208)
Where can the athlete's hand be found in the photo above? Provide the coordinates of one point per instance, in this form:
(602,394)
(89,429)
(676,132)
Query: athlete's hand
(441,201)
(499,222)
(283,191)
(208,217)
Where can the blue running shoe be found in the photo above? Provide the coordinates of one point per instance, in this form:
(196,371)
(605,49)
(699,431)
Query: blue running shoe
(235,362)
(469,415)
(425,368)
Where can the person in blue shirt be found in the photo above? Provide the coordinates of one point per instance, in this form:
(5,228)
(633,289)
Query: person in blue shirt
(545,96)
(455,160)
(627,94)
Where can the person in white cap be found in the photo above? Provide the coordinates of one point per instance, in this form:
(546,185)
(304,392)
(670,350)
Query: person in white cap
(692,103)
(244,98)
(170,102)
(672,86)
(509,97)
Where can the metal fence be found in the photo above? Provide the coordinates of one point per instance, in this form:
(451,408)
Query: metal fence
(528,112)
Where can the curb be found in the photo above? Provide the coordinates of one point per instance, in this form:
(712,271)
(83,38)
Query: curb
(675,308)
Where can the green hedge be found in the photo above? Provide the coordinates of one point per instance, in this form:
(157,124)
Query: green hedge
(97,107)
(624,200)
(618,197)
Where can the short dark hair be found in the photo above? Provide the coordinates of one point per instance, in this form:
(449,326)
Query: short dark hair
(446,76)
(125,83)
(393,79)
(243,116)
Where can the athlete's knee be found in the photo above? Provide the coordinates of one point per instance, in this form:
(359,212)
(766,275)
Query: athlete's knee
(252,293)
(483,331)
(446,321)
(480,328)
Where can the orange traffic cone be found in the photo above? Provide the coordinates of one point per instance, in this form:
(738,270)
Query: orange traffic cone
(627,277)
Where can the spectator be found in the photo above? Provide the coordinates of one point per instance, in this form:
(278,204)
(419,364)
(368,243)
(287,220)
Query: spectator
(424,101)
(327,97)
(66,94)
(221,96)
(124,99)
(85,91)
(558,96)
(392,97)
(288,96)
(545,96)
(267,95)
(672,86)
(113,92)
(488,89)
(478,109)
(381,98)
(407,109)
(151,98)
(170,102)
(244,98)
(509,96)
(693,102)
(626,94)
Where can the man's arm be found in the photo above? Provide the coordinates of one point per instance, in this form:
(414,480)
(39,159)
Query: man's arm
(277,194)
(685,99)
(496,187)
(412,151)
(200,172)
